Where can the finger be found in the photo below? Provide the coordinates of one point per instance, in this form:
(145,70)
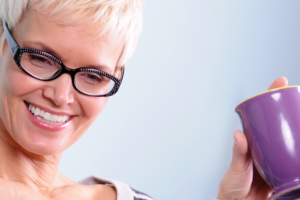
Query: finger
(241,142)
(240,157)
(279,82)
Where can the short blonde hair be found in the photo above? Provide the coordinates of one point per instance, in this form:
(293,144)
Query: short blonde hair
(124,16)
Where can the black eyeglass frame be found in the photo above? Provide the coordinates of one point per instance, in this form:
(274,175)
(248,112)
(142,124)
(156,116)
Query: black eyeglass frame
(17,52)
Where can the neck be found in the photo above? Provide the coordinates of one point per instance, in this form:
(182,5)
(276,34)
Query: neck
(38,172)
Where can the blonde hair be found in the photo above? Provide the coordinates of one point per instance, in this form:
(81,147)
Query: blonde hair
(124,16)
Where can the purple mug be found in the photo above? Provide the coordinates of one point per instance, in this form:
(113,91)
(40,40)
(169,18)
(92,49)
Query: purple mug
(271,123)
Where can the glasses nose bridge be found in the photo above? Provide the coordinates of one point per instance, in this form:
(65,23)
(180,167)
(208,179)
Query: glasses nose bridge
(66,70)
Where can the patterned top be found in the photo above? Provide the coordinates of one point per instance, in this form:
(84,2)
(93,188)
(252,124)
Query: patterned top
(124,192)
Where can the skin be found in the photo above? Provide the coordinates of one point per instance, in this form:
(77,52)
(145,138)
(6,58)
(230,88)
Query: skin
(241,180)
(29,154)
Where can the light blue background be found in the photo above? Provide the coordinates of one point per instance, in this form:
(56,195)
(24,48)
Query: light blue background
(168,131)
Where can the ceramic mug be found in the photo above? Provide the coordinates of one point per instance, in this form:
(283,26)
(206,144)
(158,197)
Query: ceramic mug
(271,123)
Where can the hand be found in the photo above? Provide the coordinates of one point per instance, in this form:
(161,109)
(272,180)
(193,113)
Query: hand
(241,180)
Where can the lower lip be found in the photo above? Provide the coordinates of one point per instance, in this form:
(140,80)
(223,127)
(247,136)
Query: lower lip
(46,126)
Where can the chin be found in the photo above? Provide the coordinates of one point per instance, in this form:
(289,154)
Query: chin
(36,143)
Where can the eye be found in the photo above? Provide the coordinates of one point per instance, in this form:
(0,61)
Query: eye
(91,78)
(39,65)
(39,60)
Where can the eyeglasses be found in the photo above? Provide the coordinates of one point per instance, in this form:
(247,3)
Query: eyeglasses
(46,67)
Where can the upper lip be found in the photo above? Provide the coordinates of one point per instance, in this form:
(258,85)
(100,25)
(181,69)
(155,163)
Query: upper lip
(50,111)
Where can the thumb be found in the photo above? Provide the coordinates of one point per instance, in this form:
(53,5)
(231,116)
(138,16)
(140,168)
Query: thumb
(240,158)
(279,82)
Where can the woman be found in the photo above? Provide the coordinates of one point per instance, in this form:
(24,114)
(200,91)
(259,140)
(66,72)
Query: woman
(59,63)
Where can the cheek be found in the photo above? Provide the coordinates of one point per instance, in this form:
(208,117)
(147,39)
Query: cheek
(6,82)
(90,109)
(92,106)
(14,85)
(8,89)
(13,81)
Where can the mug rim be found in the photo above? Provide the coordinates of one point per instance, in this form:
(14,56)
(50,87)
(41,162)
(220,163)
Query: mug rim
(280,88)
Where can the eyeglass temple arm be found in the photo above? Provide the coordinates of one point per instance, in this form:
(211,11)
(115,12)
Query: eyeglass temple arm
(14,47)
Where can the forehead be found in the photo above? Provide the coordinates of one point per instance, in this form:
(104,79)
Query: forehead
(76,46)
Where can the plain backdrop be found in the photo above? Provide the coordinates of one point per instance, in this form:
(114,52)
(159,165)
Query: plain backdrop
(169,130)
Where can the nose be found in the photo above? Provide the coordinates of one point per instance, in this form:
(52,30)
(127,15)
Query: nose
(60,91)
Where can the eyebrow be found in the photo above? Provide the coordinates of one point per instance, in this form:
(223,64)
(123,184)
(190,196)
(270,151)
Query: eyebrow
(42,47)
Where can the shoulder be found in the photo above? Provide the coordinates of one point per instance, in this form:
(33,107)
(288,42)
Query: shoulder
(124,192)
(140,195)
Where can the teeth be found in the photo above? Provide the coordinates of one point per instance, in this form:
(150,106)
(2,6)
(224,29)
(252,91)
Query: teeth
(42,113)
(37,111)
(32,109)
(54,118)
(47,121)
(63,118)
(47,117)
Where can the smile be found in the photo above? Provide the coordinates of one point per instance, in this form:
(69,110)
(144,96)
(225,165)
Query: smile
(47,117)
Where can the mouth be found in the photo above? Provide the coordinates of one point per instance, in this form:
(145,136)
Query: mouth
(47,117)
